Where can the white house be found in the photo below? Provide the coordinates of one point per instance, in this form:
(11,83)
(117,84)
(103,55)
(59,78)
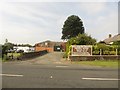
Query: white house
(24,48)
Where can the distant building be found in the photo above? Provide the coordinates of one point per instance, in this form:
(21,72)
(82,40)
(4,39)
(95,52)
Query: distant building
(111,39)
(50,46)
(24,48)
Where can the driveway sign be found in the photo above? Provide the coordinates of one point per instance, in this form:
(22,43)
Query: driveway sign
(81,50)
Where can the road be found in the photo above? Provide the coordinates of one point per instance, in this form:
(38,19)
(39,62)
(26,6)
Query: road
(44,72)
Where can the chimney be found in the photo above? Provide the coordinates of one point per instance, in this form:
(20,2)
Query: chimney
(110,35)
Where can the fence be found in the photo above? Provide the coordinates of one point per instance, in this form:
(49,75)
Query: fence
(85,52)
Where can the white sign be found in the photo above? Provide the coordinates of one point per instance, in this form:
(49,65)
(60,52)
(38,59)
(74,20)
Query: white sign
(81,50)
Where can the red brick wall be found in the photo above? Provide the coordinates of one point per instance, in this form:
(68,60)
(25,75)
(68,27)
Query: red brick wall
(63,45)
(38,48)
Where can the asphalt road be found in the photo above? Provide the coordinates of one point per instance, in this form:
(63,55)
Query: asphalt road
(56,75)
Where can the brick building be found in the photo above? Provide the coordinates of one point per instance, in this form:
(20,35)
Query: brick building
(50,46)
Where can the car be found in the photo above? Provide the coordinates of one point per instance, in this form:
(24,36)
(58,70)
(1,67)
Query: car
(20,51)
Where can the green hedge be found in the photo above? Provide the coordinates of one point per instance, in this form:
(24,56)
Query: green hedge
(106,49)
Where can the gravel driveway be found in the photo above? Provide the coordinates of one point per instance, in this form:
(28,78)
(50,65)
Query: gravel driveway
(50,58)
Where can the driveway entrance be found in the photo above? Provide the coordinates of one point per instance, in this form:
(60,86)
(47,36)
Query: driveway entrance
(50,58)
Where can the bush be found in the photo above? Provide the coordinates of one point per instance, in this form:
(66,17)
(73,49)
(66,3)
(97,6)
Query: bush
(112,53)
(102,47)
(118,53)
(65,55)
(5,57)
(106,52)
(106,49)
(96,52)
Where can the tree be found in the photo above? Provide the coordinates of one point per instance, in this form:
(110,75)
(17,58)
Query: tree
(8,46)
(4,48)
(82,39)
(72,27)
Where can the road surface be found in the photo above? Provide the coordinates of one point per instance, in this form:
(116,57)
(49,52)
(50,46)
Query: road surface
(46,72)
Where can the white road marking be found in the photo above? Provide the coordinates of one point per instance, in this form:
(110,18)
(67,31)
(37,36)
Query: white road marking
(51,77)
(106,79)
(11,75)
(61,66)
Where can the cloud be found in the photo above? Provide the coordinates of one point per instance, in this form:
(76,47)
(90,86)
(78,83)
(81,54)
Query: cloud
(28,12)
(102,26)
(29,23)
(36,22)
(61,0)
(92,8)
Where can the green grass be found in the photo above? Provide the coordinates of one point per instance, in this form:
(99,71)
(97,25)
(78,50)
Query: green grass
(14,54)
(110,63)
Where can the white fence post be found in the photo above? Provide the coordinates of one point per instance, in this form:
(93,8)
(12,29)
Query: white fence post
(116,51)
(68,58)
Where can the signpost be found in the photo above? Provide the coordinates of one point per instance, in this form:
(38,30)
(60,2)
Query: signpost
(81,50)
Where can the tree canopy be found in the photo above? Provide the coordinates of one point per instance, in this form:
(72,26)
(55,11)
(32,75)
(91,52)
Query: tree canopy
(72,27)
(8,45)
(82,39)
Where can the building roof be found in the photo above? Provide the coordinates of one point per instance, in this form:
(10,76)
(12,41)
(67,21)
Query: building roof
(112,39)
(50,43)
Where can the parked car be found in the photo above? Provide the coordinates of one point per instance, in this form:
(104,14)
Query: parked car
(20,51)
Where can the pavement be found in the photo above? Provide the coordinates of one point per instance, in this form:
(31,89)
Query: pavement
(52,71)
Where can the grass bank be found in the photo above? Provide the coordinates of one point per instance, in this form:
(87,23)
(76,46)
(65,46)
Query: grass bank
(102,63)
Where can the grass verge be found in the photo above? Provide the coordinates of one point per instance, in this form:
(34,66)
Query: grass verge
(14,54)
(110,63)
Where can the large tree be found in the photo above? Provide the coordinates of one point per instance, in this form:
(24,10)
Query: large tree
(72,27)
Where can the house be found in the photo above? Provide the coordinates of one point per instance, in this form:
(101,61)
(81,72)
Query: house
(26,49)
(48,45)
(111,39)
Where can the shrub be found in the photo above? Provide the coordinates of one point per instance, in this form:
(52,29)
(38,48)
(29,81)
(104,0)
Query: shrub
(102,47)
(5,57)
(65,55)
(118,53)
(96,52)
(106,52)
(112,53)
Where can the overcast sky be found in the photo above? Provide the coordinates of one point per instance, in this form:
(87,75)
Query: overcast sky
(33,22)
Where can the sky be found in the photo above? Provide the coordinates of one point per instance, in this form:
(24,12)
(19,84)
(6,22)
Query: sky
(30,22)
